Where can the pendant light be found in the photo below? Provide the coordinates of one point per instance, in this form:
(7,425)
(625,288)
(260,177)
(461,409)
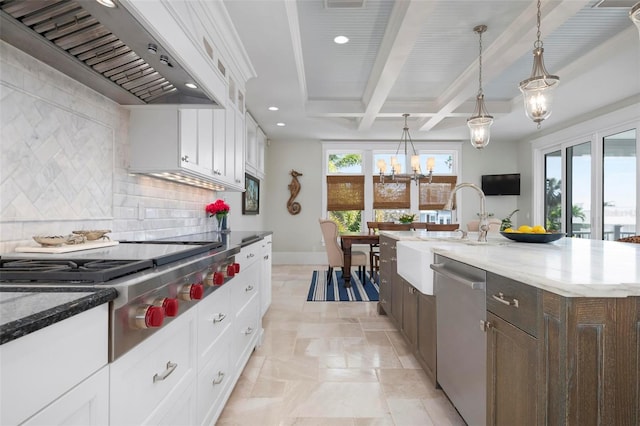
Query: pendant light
(396,166)
(634,15)
(538,89)
(480,122)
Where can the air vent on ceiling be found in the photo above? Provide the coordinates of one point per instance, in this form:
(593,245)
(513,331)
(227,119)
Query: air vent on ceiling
(343,4)
(617,4)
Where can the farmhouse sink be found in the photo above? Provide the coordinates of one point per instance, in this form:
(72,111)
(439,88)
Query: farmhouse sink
(413,261)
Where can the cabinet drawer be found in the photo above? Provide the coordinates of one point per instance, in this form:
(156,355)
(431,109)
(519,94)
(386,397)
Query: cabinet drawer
(145,376)
(246,330)
(248,255)
(214,379)
(514,302)
(215,314)
(41,366)
(245,286)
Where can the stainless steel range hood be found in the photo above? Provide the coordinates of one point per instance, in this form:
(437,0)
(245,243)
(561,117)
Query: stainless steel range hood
(104,48)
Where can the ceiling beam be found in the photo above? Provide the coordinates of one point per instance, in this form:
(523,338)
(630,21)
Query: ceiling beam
(515,41)
(403,29)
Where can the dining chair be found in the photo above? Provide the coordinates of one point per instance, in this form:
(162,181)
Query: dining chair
(494,225)
(391,226)
(633,239)
(335,255)
(420,225)
(374,249)
(442,226)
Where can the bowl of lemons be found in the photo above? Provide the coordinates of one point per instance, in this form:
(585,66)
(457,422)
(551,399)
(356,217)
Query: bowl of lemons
(531,234)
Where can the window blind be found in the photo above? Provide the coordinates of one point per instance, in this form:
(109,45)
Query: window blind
(391,194)
(434,195)
(345,192)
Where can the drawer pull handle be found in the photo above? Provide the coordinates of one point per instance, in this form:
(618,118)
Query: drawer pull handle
(248,288)
(248,331)
(219,317)
(171,366)
(218,379)
(500,298)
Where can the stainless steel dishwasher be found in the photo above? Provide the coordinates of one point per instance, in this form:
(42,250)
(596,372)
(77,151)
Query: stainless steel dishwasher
(461,342)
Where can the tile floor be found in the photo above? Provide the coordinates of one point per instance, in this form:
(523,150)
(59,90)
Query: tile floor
(331,363)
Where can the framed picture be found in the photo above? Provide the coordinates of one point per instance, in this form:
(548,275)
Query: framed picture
(251,199)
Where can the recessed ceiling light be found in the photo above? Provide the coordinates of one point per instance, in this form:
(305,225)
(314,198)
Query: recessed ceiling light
(191,85)
(273,108)
(280,124)
(341,40)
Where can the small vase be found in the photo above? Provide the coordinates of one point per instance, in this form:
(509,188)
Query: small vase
(222,224)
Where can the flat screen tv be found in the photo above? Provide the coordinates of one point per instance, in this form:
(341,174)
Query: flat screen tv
(507,184)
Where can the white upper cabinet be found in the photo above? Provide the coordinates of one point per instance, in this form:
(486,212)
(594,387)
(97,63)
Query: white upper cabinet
(206,144)
(255,145)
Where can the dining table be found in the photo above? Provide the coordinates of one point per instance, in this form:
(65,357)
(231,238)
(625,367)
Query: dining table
(347,240)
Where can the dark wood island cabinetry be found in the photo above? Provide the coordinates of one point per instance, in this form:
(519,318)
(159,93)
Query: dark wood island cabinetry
(551,359)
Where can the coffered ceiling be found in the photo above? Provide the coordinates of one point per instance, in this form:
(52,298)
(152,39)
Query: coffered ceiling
(421,57)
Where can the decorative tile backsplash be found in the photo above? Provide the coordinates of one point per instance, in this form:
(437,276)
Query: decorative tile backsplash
(63,164)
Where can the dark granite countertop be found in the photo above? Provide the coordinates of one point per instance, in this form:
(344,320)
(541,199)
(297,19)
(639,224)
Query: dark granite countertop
(24,310)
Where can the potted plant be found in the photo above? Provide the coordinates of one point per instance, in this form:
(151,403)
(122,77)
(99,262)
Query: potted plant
(407,218)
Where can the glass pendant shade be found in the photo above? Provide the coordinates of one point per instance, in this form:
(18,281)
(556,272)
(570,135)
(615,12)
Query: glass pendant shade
(538,89)
(480,125)
(634,15)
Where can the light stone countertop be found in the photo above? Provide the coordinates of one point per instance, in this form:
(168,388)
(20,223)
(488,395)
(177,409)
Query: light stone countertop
(570,267)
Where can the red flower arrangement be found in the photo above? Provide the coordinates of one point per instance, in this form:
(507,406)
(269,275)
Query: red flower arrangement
(219,209)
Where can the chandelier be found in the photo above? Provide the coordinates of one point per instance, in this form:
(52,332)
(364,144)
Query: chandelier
(634,15)
(480,122)
(396,167)
(538,89)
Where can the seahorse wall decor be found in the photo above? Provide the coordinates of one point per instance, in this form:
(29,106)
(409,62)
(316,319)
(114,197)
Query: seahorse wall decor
(294,188)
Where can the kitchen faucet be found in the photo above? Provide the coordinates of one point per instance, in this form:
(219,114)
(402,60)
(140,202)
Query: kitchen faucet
(484,223)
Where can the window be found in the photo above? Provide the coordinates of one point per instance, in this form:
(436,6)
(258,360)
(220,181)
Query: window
(345,190)
(619,181)
(553,191)
(389,199)
(589,183)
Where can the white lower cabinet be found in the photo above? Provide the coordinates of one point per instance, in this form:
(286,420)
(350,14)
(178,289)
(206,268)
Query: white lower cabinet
(265,275)
(215,381)
(86,404)
(47,377)
(147,381)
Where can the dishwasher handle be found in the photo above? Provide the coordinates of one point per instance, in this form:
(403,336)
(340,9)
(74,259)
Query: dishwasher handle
(441,269)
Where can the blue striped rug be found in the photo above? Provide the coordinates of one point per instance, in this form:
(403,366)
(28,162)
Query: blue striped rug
(321,292)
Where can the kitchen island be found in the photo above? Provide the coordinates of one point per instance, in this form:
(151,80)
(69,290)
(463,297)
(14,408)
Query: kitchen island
(562,324)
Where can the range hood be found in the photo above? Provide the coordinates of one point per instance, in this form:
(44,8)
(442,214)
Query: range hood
(104,48)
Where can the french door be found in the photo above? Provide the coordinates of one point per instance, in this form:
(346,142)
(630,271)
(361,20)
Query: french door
(591,186)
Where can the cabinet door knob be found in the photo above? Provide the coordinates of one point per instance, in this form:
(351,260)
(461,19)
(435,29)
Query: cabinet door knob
(185,158)
(485,325)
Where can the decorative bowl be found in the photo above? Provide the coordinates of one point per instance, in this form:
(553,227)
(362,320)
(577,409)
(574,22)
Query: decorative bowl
(532,238)
(51,240)
(95,234)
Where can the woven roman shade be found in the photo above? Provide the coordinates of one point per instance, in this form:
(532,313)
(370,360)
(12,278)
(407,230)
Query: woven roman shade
(434,195)
(391,194)
(345,192)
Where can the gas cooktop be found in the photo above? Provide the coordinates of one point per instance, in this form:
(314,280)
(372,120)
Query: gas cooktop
(96,265)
